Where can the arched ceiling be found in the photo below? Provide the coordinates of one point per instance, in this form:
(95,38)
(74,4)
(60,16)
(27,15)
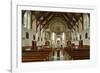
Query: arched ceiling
(57,27)
(57,24)
(44,17)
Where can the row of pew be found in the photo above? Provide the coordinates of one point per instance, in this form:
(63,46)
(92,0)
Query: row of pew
(37,55)
(78,53)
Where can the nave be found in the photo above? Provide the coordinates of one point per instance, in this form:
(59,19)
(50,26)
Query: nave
(55,36)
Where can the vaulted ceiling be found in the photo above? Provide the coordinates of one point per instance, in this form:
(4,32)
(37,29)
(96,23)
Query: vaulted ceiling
(43,17)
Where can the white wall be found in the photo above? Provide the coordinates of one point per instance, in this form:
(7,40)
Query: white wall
(25,41)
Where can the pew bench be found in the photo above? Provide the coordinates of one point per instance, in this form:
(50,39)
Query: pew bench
(78,54)
(35,56)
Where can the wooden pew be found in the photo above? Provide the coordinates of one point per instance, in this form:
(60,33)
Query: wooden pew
(78,54)
(35,56)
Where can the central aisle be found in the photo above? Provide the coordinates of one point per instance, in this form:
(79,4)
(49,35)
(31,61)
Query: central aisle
(61,56)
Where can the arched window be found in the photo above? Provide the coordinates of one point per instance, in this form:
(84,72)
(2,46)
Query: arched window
(27,19)
(86,21)
(27,35)
(86,35)
(80,37)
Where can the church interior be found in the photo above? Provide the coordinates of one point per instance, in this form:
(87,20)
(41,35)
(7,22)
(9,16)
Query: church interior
(55,36)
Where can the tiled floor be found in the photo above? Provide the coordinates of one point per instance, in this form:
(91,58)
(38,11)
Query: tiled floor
(62,56)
